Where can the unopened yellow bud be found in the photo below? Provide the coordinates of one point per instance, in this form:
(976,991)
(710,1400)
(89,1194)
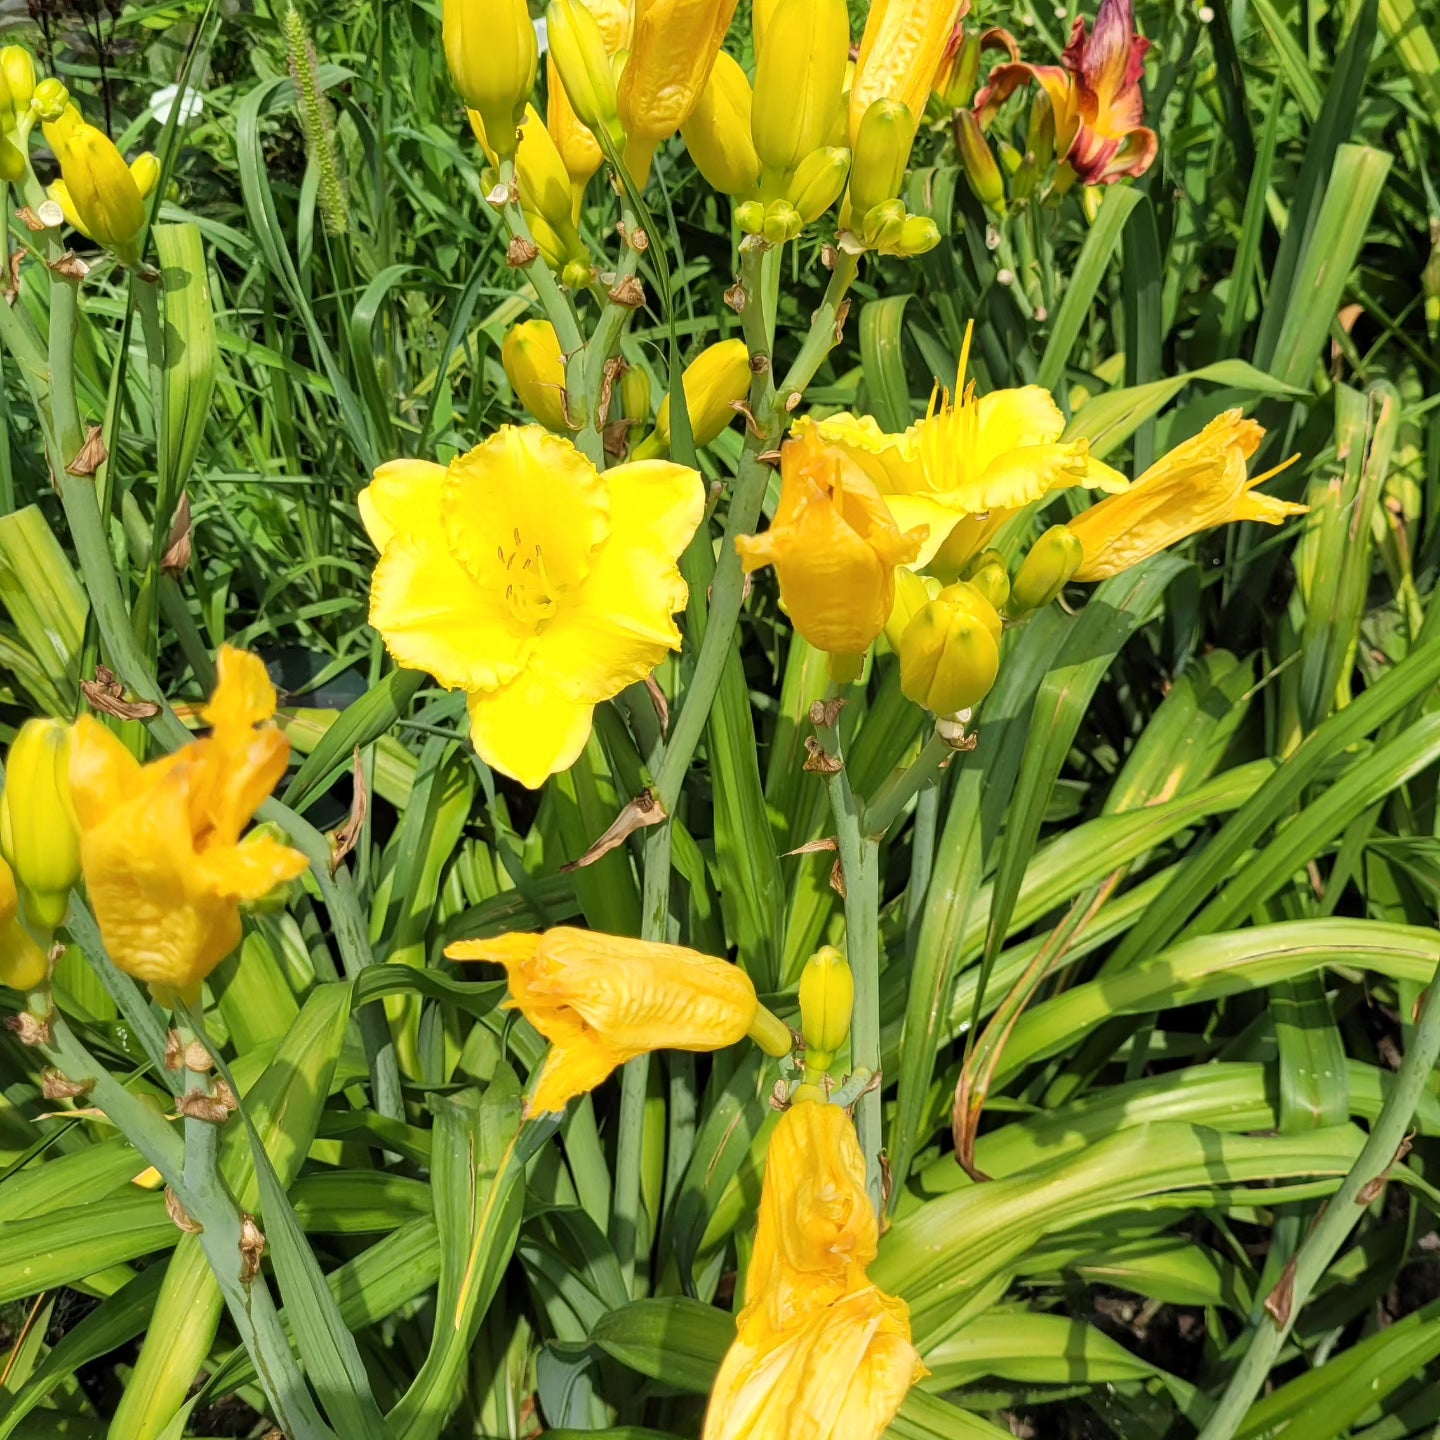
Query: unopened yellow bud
(634,395)
(540,173)
(101,189)
(39,834)
(50,99)
(827,996)
(145,172)
(714,381)
(22,962)
(989,574)
(979,162)
(17,65)
(798,79)
(578,49)
(535,366)
(912,593)
(12,160)
(760,14)
(493,55)
(750,217)
(950,651)
(717,132)
(579,150)
(782,222)
(883,224)
(882,151)
(818,181)
(1045,571)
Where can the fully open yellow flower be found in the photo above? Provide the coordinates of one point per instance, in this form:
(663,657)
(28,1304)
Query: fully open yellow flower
(526,578)
(1198,485)
(601,1000)
(969,465)
(834,547)
(160,843)
(819,1351)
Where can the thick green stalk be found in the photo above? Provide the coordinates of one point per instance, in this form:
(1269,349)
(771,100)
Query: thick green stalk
(860,867)
(892,797)
(1339,1217)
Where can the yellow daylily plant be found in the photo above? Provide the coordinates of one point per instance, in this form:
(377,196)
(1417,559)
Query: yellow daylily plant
(523,576)
(603,999)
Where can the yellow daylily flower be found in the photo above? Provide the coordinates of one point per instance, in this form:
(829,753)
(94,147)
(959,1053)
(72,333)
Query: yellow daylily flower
(160,844)
(834,547)
(1198,485)
(523,576)
(98,193)
(22,961)
(819,1351)
(969,465)
(601,1000)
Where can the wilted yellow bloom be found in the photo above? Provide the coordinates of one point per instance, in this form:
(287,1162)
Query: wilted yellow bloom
(22,961)
(492,52)
(523,576)
(900,54)
(798,78)
(601,1000)
(672,50)
(98,193)
(713,381)
(1198,485)
(950,651)
(38,832)
(164,864)
(819,1351)
(717,132)
(535,366)
(834,546)
(972,462)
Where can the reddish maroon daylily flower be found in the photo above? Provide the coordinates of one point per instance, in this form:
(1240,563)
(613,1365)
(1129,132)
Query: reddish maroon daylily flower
(1095,93)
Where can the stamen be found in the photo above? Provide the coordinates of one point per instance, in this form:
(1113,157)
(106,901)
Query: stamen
(1270,474)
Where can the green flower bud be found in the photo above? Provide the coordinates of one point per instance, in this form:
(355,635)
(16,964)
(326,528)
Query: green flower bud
(817,182)
(782,222)
(750,217)
(883,225)
(50,99)
(978,161)
(827,997)
(918,235)
(989,574)
(1045,571)
(882,151)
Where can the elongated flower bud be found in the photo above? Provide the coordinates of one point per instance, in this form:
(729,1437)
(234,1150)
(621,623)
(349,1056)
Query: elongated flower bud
(714,380)
(535,366)
(575,142)
(12,160)
(959,74)
(717,133)
(634,395)
(900,53)
(38,831)
(493,55)
(798,79)
(818,180)
(578,49)
(760,13)
(979,161)
(827,996)
(950,652)
(672,53)
(22,962)
(882,151)
(18,67)
(1045,571)
(102,190)
(540,173)
(989,574)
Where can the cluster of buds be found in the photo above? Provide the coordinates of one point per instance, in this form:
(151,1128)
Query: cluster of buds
(97,193)
(873,217)
(40,845)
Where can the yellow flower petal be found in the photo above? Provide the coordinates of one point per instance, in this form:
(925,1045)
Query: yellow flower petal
(891,461)
(244,695)
(622,623)
(1011,418)
(403,496)
(103,773)
(523,512)
(528,729)
(435,616)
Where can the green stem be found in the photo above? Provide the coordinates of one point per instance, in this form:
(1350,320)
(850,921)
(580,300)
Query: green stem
(860,866)
(1335,1223)
(195,1178)
(603,342)
(893,796)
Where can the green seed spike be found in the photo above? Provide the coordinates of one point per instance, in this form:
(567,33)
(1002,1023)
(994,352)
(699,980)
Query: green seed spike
(316,122)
